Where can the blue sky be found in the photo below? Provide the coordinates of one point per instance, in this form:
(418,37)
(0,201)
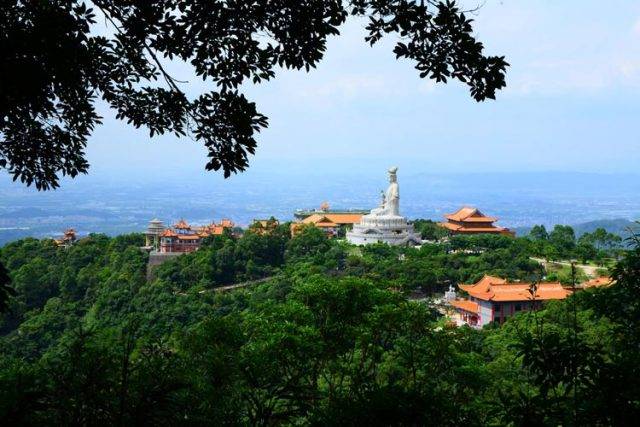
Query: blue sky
(572,103)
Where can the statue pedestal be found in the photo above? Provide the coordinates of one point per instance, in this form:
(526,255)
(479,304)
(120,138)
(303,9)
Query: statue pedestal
(393,230)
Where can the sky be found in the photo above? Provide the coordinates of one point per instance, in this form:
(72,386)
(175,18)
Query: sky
(571,104)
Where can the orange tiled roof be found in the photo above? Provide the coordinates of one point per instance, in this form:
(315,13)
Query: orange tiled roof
(496,289)
(182,225)
(217,230)
(214,228)
(227,223)
(312,219)
(484,283)
(461,228)
(211,229)
(466,305)
(520,292)
(329,218)
(168,233)
(481,219)
(469,214)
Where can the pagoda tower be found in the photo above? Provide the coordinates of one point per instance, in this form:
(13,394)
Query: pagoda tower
(152,235)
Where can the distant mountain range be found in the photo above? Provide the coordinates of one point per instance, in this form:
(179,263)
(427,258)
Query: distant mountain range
(620,226)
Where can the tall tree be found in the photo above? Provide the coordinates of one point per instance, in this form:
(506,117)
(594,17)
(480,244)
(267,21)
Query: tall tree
(563,238)
(55,66)
(539,232)
(6,291)
(601,239)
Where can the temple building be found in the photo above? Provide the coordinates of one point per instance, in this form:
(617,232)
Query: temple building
(214,229)
(468,220)
(493,299)
(330,223)
(325,208)
(182,237)
(384,224)
(68,238)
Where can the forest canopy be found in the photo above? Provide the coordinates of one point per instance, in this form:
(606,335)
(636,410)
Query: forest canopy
(327,336)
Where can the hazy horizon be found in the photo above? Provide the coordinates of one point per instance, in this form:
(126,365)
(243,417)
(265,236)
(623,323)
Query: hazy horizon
(121,204)
(563,134)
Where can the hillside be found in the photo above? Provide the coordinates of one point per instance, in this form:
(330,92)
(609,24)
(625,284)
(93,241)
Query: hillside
(620,226)
(328,337)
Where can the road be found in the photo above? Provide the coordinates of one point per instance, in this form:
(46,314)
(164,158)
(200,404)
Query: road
(241,285)
(589,270)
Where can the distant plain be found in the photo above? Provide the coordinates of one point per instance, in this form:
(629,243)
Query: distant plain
(94,205)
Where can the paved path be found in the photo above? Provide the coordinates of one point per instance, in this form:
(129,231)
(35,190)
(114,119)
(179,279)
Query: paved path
(241,284)
(589,270)
(230,287)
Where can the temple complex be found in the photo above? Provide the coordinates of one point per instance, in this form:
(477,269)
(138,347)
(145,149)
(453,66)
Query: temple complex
(468,220)
(384,224)
(182,237)
(493,299)
(330,223)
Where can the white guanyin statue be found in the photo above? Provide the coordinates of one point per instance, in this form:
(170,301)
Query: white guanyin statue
(384,224)
(390,199)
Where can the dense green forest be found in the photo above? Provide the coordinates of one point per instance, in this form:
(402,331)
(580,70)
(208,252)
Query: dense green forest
(329,336)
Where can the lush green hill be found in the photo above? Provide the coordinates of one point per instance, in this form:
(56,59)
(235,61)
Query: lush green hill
(620,226)
(330,339)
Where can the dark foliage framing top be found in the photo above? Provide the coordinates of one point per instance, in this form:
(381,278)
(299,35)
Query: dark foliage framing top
(54,68)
